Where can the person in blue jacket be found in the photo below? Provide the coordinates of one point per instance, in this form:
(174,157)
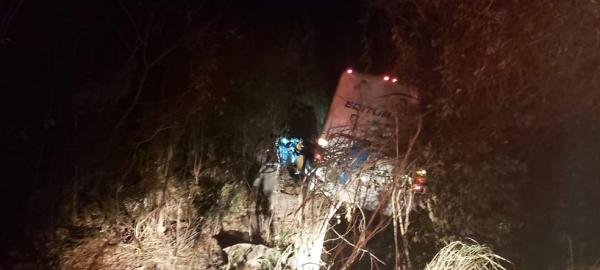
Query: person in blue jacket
(289,153)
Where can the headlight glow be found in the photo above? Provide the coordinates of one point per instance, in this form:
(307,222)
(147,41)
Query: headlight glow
(322,142)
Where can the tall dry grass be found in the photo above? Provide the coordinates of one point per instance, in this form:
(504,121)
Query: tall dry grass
(160,232)
(459,255)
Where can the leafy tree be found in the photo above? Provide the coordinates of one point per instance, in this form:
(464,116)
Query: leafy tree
(500,83)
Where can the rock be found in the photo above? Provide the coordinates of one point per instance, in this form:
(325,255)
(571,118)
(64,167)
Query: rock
(267,182)
(249,256)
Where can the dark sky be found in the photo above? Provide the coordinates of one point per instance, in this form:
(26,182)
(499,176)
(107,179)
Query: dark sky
(49,38)
(53,44)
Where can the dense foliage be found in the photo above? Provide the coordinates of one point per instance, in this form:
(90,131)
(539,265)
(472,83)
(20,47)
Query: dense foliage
(158,119)
(507,85)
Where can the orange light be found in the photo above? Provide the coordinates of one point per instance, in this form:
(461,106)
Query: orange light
(386,78)
(349,71)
